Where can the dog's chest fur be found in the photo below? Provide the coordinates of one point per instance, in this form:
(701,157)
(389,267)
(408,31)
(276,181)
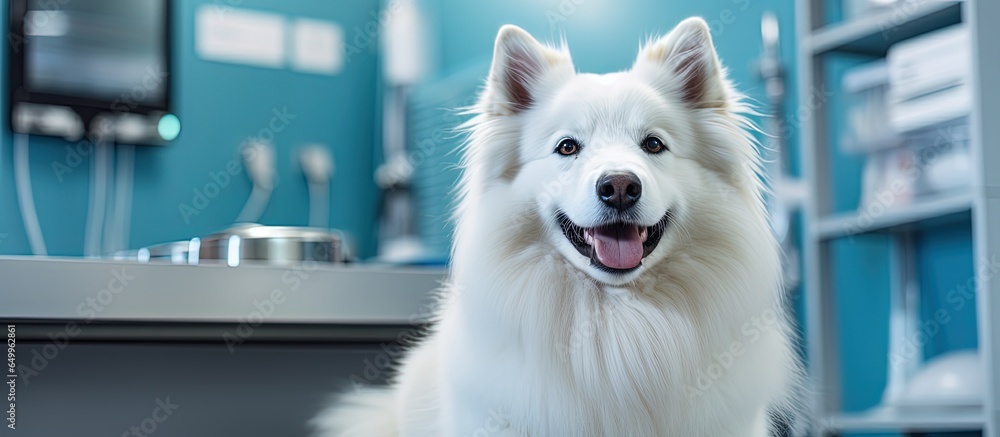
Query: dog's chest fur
(575,358)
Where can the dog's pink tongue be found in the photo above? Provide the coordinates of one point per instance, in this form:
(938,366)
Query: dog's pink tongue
(618,247)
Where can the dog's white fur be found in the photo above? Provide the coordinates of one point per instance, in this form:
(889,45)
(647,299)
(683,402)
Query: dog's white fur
(534,341)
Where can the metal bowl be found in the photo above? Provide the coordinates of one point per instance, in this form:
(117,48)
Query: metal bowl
(279,245)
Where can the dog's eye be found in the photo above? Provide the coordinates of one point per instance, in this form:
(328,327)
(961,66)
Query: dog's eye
(653,145)
(567,147)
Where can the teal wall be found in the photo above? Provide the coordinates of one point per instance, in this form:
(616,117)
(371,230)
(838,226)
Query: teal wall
(220,105)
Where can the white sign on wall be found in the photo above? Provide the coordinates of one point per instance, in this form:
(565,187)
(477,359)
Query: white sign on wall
(263,39)
(318,46)
(240,36)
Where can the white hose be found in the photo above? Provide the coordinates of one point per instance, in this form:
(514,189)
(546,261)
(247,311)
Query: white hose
(108,225)
(319,204)
(317,165)
(98,200)
(25,199)
(254,208)
(258,160)
(124,183)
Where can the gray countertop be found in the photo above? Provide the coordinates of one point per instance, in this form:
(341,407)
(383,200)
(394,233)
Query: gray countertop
(105,340)
(33,288)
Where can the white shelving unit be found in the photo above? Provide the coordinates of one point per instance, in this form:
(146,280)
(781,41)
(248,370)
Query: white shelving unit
(887,419)
(872,35)
(940,208)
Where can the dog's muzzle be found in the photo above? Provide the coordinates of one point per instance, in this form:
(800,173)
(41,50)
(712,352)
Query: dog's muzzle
(616,247)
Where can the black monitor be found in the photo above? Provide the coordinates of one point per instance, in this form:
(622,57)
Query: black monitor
(74,62)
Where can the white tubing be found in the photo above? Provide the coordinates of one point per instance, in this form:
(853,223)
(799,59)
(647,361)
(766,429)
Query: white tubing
(254,208)
(25,199)
(258,160)
(124,183)
(317,165)
(98,200)
(319,204)
(108,224)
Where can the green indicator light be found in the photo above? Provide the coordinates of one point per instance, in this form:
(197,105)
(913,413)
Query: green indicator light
(169,127)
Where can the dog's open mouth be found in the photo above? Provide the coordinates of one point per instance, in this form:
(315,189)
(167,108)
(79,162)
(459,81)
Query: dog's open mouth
(616,247)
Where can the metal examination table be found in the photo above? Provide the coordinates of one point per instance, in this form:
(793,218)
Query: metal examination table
(245,351)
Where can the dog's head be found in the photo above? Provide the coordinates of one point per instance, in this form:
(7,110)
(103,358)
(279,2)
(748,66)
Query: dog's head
(612,164)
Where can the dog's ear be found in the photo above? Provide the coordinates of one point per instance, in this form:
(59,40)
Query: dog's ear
(684,63)
(520,64)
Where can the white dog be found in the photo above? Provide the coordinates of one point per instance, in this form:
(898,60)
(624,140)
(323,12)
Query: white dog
(614,273)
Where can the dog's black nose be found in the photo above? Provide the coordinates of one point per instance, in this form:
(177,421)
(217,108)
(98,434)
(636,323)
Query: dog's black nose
(619,190)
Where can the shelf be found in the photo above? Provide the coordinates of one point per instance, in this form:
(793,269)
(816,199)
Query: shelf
(916,420)
(926,211)
(868,36)
(875,33)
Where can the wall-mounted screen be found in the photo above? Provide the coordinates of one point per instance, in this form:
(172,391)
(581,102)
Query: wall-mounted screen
(90,56)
